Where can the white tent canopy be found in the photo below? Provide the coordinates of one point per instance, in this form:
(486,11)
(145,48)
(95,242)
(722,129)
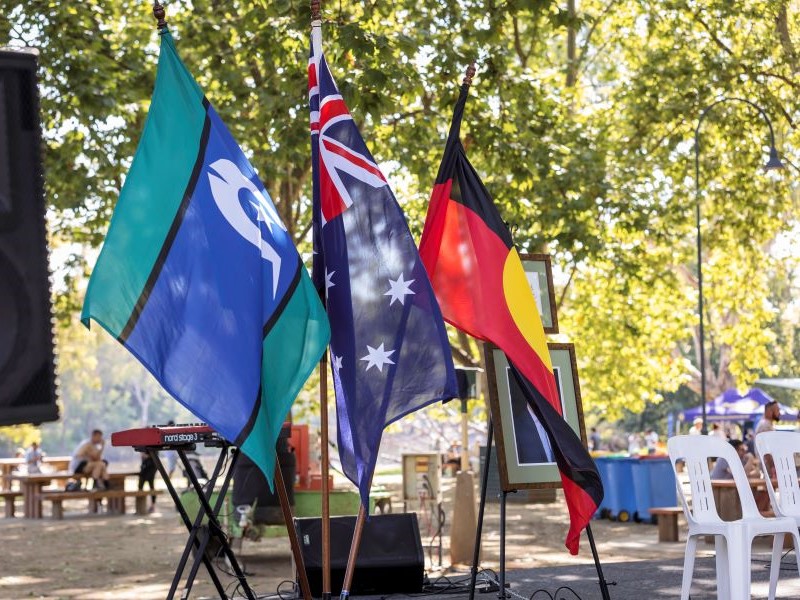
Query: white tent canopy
(790,384)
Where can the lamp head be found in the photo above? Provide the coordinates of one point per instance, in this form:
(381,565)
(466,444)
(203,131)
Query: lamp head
(774,163)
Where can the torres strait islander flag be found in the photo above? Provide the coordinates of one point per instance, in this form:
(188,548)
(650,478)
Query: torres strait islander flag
(481,286)
(389,348)
(198,277)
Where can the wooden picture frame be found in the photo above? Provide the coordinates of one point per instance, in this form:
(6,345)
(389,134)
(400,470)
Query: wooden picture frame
(539,272)
(519,467)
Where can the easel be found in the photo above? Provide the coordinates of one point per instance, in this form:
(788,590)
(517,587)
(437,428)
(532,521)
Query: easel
(502,593)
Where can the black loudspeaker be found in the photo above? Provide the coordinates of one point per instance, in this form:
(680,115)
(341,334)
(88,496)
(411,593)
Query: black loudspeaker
(390,558)
(27,374)
(250,486)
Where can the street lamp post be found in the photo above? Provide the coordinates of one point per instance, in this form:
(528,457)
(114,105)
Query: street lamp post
(773,163)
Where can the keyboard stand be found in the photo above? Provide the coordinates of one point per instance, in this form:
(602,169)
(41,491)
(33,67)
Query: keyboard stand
(199,536)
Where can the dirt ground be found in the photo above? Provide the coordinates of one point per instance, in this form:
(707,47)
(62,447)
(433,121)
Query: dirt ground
(104,556)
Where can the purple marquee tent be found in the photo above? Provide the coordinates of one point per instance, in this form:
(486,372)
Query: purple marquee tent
(733,406)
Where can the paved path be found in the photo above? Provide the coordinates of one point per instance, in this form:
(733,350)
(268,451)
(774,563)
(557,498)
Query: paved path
(643,580)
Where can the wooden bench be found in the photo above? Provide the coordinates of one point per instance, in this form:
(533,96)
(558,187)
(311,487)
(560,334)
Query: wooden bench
(94,496)
(667,522)
(9,498)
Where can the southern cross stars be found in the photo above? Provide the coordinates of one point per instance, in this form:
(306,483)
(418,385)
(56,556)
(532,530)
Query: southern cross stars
(399,289)
(378,357)
(328,280)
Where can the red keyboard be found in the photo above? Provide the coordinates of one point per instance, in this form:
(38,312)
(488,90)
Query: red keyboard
(160,436)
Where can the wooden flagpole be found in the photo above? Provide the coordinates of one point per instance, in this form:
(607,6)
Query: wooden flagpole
(316,21)
(294,540)
(354,547)
(326,508)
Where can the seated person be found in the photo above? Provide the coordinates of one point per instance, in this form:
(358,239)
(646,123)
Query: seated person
(721,470)
(33,458)
(87,460)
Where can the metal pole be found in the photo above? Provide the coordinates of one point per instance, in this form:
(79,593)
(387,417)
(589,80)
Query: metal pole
(502,593)
(476,556)
(603,583)
(701,331)
(704,429)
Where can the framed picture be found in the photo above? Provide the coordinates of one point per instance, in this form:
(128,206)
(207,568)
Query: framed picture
(539,271)
(524,454)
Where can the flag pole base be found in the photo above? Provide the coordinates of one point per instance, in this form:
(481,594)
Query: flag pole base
(326,596)
(344,595)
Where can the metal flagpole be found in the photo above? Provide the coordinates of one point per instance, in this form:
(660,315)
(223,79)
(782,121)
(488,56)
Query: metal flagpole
(502,583)
(476,557)
(603,583)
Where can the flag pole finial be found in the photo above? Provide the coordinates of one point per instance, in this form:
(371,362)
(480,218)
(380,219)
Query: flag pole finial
(159,14)
(316,10)
(469,74)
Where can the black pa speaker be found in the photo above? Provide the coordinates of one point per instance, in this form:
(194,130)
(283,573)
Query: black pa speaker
(390,557)
(250,486)
(27,374)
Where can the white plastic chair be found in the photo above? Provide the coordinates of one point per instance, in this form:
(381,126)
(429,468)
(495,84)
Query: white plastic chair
(733,539)
(781,446)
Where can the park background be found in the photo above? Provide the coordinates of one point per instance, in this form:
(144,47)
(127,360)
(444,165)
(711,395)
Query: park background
(580,123)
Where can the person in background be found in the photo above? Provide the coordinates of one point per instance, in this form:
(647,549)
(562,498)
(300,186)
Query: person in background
(722,470)
(147,474)
(772,414)
(634,444)
(697,427)
(33,458)
(750,441)
(651,441)
(87,460)
(718,431)
(594,440)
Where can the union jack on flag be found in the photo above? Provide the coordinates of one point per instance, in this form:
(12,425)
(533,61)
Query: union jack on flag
(389,348)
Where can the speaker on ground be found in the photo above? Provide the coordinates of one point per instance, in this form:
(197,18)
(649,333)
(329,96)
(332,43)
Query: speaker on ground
(390,558)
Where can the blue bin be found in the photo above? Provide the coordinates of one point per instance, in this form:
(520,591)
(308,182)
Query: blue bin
(654,483)
(663,491)
(620,489)
(642,489)
(602,463)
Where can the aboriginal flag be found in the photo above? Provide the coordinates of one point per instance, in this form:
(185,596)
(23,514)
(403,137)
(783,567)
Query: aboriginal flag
(482,289)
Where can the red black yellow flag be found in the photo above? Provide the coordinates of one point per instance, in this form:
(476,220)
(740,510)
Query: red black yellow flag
(482,289)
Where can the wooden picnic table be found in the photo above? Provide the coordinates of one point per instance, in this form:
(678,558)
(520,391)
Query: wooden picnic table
(727,499)
(32,485)
(8,465)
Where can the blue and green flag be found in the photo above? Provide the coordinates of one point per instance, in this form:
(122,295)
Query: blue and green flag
(198,277)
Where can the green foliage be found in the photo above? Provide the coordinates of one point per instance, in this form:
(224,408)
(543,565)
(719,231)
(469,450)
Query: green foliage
(596,169)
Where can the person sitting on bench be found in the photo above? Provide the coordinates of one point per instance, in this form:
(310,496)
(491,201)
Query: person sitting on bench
(87,460)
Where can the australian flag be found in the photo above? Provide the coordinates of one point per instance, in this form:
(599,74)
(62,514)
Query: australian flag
(389,350)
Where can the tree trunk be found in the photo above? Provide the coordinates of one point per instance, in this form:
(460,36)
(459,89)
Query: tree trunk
(572,64)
